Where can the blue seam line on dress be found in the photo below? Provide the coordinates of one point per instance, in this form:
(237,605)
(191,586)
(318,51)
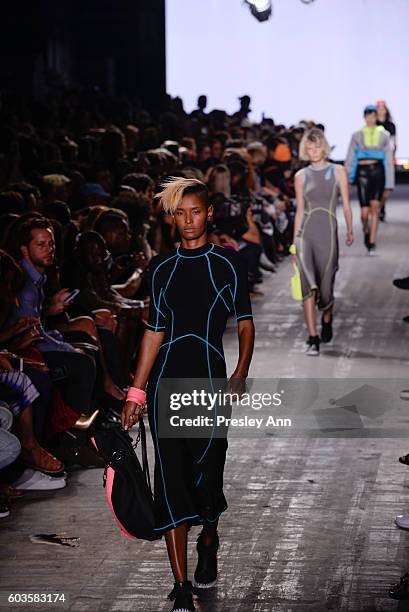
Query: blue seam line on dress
(213,283)
(210,369)
(158,309)
(199,479)
(186,518)
(154,274)
(155,327)
(155,397)
(176,522)
(246,315)
(193,336)
(234,271)
(215,519)
(194,256)
(232,299)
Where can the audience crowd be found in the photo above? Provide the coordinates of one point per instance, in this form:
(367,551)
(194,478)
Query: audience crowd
(79,223)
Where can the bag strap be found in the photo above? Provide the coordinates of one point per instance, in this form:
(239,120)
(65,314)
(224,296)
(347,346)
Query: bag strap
(145,465)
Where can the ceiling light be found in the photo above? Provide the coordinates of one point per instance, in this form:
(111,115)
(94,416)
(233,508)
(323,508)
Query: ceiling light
(260,9)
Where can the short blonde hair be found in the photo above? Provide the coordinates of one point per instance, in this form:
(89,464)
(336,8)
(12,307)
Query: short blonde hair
(314,135)
(219,180)
(174,188)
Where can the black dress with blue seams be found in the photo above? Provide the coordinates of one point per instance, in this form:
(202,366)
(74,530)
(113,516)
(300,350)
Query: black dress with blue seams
(192,294)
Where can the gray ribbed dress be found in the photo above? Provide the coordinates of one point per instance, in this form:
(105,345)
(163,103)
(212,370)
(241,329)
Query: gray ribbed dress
(317,240)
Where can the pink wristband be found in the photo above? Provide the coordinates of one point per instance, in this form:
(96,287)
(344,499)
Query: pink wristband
(138,396)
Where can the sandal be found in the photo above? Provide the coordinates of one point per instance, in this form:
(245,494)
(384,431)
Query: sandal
(400,590)
(10,492)
(404,459)
(39,459)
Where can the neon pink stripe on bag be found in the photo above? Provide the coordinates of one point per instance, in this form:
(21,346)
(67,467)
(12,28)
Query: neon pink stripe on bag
(108,490)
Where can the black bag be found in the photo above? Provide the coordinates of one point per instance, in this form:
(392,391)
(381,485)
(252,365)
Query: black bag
(127,484)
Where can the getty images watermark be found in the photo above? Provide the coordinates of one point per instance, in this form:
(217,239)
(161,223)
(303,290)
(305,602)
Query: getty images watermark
(218,404)
(312,407)
(202,408)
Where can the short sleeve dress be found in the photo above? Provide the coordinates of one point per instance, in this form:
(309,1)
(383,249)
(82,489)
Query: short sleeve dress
(192,294)
(317,240)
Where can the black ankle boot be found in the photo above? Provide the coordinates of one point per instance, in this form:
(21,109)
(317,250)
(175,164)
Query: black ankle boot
(182,596)
(326,331)
(206,570)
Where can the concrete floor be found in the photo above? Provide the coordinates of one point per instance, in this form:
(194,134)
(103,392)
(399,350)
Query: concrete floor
(310,520)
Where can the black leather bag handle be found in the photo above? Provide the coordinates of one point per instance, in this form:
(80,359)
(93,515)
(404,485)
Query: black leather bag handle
(144,451)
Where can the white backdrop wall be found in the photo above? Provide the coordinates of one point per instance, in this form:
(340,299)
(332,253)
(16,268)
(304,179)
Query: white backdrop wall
(323,61)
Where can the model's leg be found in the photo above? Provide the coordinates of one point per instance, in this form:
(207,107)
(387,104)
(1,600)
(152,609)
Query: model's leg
(386,194)
(176,543)
(209,534)
(364,198)
(365,225)
(327,315)
(374,206)
(313,342)
(207,546)
(365,219)
(310,315)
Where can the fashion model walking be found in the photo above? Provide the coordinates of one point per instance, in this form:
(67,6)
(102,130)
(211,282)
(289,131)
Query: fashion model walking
(193,290)
(315,246)
(385,119)
(369,163)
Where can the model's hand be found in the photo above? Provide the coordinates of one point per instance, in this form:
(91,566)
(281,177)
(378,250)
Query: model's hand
(294,260)
(349,239)
(58,304)
(236,385)
(131,414)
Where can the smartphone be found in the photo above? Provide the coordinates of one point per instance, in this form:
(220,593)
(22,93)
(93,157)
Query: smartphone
(71,296)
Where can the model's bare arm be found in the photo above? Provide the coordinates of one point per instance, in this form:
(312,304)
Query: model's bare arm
(342,179)
(245,331)
(299,196)
(237,381)
(150,345)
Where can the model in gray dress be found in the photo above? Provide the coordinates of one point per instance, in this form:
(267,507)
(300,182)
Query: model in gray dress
(317,240)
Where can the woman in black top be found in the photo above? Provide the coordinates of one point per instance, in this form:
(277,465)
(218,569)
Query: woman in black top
(385,119)
(193,290)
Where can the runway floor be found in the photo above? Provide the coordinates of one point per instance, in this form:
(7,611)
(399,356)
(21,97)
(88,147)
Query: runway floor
(310,521)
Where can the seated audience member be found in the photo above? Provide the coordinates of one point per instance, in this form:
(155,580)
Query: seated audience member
(142,184)
(127,269)
(88,271)
(16,386)
(37,247)
(10,449)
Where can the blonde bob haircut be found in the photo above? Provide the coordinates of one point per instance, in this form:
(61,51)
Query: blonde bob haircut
(316,136)
(176,187)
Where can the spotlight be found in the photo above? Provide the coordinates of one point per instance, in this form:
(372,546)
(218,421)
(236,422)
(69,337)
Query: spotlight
(260,9)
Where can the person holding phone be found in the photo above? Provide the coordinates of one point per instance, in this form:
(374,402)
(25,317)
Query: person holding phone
(37,248)
(192,291)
